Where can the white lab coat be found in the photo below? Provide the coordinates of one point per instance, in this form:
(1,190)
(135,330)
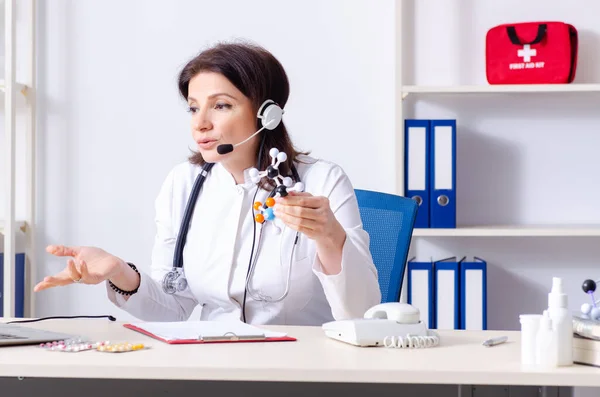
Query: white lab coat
(218,247)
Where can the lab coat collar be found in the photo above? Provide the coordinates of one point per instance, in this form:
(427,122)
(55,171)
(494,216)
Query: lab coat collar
(230,180)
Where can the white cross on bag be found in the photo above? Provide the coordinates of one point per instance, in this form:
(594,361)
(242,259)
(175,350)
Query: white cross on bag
(527,53)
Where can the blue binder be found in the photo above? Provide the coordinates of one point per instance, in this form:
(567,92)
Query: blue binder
(420,290)
(19,284)
(442,200)
(416,167)
(473,294)
(447,294)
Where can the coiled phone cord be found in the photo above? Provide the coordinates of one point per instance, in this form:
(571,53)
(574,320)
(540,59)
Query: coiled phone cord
(412,341)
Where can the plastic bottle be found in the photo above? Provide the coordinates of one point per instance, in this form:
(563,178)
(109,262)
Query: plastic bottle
(562,322)
(546,355)
(530,325)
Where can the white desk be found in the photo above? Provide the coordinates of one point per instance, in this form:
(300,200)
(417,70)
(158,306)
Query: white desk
(460,359)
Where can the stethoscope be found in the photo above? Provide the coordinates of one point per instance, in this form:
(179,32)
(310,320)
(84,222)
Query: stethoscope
(257,296)
(252,265)
(175,281)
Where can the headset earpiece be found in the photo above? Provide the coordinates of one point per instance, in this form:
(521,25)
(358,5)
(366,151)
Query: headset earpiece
(270,114)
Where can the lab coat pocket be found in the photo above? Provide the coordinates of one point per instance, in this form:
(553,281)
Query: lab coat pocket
(302,283)
(284,275)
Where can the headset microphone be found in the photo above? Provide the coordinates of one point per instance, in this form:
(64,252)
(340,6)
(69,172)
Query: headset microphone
(228,148)
(270,114)
(224,149)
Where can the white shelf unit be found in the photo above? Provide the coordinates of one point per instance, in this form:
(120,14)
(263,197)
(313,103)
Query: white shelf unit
(9,226)
(513,231)
(499,89)
(403,91)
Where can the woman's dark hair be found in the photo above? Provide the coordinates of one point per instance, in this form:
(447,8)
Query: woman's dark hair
(259,76)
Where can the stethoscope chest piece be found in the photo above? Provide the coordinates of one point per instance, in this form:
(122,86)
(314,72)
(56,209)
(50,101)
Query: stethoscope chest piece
(174,281)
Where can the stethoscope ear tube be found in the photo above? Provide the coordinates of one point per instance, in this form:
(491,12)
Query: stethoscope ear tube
(175,280)
(189,210)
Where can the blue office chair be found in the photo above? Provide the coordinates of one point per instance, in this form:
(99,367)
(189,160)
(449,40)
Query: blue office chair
(389,220)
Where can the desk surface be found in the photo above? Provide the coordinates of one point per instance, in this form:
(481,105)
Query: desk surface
(460,359)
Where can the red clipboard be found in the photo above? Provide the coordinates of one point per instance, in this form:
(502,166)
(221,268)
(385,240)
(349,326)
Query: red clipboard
(227,338)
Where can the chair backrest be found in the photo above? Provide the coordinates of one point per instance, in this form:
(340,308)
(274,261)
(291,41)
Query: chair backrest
(389,220)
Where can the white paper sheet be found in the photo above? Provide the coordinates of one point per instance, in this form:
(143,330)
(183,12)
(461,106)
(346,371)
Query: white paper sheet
(178,330)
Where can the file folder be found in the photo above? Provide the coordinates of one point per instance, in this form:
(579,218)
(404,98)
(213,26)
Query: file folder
(473,294)
(416,167)
(19,285)
(420,290)
(447,294)
(197,332)
(442,202)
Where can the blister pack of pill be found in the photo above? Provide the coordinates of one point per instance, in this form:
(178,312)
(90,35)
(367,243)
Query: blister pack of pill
(73,345)
(76,345)
(123,347)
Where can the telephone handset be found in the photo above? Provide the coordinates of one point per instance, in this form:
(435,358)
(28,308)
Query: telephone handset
(391,324)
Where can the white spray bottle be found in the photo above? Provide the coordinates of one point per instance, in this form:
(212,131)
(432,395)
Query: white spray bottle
(562,322)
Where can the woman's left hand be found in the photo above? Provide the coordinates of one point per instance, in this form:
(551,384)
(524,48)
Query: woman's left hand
(311,216)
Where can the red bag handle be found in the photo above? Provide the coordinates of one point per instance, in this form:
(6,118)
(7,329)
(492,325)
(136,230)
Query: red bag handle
(512,35)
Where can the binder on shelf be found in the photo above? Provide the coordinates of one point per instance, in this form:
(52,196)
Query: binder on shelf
(420,284)
(442,201)
(473,294)
(19,284)
(416,167)
(447,294)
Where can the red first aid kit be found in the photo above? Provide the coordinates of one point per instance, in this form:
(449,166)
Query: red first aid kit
(531,53)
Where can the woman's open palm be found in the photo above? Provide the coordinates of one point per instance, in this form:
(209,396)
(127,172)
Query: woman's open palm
(87,265)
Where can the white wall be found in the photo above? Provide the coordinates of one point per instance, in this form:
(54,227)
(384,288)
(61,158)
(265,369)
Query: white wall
(111,124)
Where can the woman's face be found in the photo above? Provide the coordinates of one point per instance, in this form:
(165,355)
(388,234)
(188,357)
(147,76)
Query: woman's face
(221,114)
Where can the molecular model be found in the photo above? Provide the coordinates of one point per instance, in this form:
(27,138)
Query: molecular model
(590,310)
(283,186)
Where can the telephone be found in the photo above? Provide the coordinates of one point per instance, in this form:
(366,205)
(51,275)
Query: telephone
(392,324)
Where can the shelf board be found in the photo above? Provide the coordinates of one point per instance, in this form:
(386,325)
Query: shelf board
(20,87)
(513,231)
(19,224)
(508,88)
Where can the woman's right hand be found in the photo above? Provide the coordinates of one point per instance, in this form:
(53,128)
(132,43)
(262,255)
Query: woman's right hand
(86,265)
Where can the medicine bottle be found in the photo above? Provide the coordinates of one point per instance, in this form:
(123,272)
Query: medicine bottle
(562,322)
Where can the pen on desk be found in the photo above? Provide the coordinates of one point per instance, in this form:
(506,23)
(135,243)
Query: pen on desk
(495,341)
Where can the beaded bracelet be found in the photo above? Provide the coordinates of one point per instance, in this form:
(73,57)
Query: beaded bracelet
(119,290)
